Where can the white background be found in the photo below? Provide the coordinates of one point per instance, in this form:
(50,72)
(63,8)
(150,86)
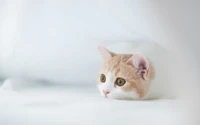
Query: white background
(57,39)
(52,40)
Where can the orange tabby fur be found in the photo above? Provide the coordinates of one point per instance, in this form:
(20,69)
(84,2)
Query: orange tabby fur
(118,67)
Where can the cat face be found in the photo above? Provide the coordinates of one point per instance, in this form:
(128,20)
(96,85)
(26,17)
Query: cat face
(124,76)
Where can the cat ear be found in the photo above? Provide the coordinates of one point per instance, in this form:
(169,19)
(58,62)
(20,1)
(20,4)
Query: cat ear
(105,53)
(141,63)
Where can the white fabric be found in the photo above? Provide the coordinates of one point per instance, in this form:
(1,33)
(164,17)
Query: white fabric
(77,105)
(53,39)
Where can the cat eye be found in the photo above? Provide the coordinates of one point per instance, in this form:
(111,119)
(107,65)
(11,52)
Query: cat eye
(103,78)
(120,81)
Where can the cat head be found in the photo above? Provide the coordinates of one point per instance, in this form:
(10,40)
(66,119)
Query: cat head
(124,76)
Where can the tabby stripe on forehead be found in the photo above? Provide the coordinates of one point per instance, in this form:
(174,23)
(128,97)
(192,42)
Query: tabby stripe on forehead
(117,71)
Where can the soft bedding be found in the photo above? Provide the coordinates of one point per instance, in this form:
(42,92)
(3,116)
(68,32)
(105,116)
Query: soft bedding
(79,105)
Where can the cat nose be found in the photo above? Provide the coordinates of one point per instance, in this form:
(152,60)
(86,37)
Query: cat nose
(106,92)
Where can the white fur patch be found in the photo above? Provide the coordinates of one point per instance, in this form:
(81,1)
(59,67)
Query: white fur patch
(115,92)
(118,93)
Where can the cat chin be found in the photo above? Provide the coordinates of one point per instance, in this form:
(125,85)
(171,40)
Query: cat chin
(121,95)
(124,96)
(118,93)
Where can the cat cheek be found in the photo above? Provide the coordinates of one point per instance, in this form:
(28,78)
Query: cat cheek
(101,91)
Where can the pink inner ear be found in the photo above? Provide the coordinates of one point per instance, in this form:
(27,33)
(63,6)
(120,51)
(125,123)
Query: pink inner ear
(139,61)
(104,53)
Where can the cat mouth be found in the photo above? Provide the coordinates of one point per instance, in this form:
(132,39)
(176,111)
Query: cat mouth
(105,96)
(106,93)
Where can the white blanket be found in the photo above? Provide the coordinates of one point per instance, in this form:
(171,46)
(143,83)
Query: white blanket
(79,105)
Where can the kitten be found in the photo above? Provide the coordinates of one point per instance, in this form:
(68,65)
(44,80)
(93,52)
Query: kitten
(124,76)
